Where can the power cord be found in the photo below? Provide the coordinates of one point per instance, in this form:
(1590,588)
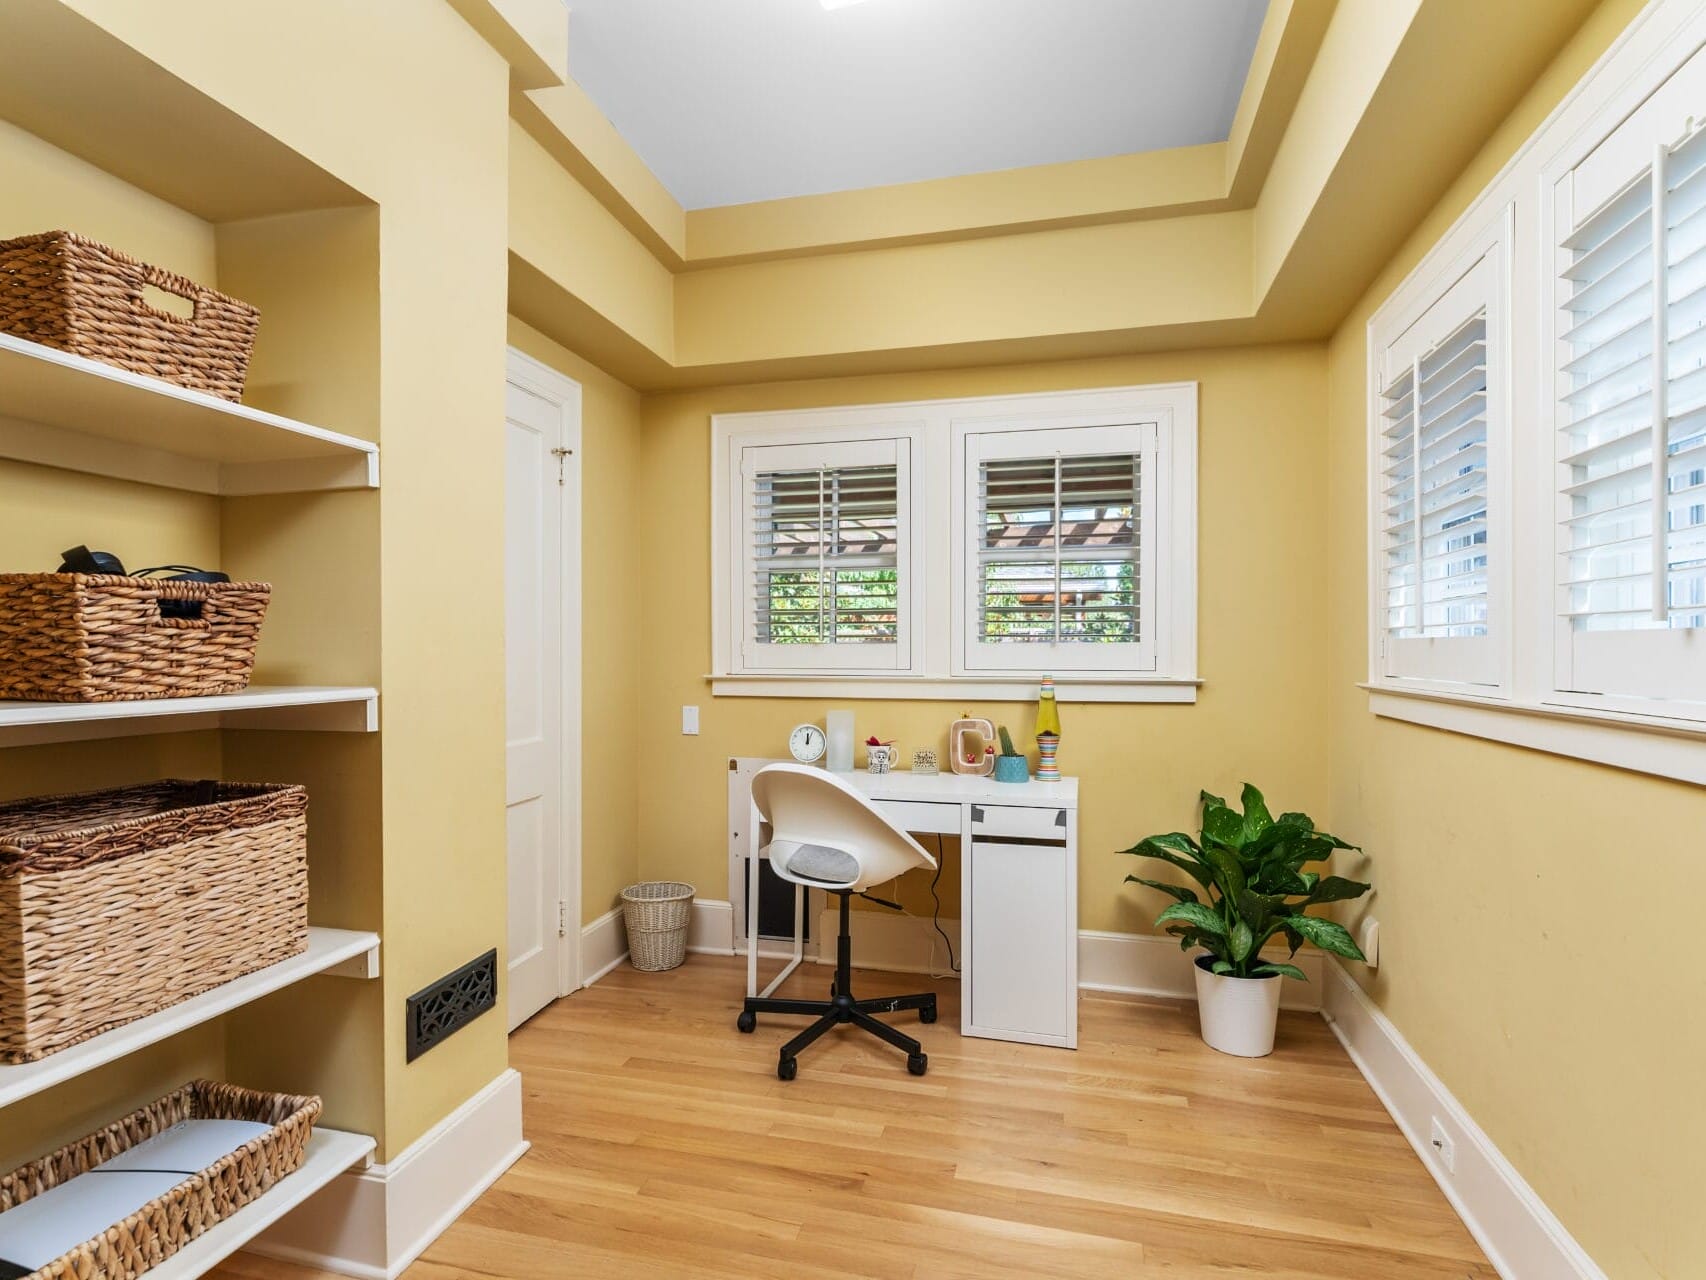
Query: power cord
(936,912)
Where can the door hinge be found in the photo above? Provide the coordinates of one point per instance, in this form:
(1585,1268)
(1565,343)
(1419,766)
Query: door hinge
(560,455)
(562,918)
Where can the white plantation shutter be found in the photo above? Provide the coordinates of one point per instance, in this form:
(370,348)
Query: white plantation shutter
(1440,435)
(1059,548)
(1631,411)
(825,530)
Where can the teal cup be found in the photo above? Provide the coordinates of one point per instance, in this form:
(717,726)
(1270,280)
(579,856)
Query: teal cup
(1012,769)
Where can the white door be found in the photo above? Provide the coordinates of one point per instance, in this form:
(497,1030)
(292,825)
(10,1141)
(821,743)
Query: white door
(541,432)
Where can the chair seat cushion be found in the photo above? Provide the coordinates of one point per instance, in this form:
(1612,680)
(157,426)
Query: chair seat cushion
(821,863)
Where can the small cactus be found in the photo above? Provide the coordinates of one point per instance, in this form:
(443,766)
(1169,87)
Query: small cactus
(1006,742)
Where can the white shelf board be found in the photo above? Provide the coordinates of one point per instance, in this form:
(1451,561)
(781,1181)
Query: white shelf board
(333,708)
(60,410)
(330,1153)
(344,950)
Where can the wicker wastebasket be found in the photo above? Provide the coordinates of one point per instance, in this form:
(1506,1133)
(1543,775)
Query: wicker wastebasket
(656,914)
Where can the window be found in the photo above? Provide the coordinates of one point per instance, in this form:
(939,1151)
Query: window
(1630,409)
(1575,622)
(1438,444)
(1056,549)
(823,532)
(959,548)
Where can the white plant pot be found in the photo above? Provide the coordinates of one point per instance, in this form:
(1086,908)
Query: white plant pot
(1238,1014)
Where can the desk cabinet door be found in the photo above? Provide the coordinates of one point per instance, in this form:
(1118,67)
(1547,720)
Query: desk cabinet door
(1023,958)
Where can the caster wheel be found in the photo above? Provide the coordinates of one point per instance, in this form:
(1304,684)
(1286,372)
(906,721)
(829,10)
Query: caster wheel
(927,1013)
(917,1063)
(747,1021)
(787,1068)
(832,991)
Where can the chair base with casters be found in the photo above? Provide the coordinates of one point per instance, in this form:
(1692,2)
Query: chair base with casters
(841,1007)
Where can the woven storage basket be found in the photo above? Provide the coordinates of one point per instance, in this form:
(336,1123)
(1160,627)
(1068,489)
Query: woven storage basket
(80,637)
(117,904)
(656,915)
(75,294)
(167,1223)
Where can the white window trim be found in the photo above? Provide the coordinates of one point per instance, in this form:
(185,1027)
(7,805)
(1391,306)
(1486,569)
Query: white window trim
(731,436)
(1488,239)
(933,585)
(1531,712)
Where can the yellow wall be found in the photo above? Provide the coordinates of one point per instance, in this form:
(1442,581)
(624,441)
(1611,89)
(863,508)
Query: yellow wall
(1141,766)
(1536,946)
(610,663)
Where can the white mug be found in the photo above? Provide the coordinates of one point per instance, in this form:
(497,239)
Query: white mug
(881,759)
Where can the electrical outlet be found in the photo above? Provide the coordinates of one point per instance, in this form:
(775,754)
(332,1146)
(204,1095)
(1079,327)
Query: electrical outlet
(1369,941)
(1443,1146)
(690,720)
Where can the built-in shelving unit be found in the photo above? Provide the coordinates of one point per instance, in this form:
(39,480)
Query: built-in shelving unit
(330,1153)
(345,952)
(302,245)
(335,708)
(60,410)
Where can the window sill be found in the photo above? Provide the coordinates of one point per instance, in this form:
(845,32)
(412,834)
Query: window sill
(1642,744)
(963,689)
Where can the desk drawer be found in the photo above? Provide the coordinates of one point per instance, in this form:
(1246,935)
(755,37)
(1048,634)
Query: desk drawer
(922,815)
(1019,823)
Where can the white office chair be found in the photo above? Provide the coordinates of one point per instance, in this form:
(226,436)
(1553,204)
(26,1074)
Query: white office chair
(827,836)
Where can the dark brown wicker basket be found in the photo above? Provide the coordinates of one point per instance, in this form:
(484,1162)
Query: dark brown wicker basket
(117,904)
(77,637)
(75,294)
(169,1222)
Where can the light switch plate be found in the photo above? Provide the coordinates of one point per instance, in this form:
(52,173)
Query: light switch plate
(690,720)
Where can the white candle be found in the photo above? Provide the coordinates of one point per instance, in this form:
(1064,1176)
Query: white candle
(839,727)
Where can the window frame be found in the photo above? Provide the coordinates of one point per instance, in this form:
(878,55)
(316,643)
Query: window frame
(1472,266)
(934,591)
(1646,735)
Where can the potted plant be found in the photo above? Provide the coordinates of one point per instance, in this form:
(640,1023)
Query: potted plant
(1011,765)
(1250,868)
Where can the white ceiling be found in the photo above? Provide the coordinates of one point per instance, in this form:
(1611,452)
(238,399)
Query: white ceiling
(730,101)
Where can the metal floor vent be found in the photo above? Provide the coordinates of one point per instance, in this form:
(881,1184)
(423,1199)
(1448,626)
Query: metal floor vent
(440,1010)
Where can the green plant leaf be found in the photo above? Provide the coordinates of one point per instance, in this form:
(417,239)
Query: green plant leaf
(1336,889)
(1189,936)
(1329,935)
(1192,865)
(1241,939)
(1222,966)
(1228,869)
(1194,913)
(1257,819)
(1208,797)
(1284,970)
(1222,826)
(1174,890)
(1297,821)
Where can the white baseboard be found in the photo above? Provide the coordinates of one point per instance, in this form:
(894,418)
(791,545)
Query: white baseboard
(712,928)
(1519,1234)
(1153,965)
(604,945)
(373,1222)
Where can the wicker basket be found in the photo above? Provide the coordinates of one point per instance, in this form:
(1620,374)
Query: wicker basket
(78,637)
(656,915)
(75,294)
(169,1222)
(117,904)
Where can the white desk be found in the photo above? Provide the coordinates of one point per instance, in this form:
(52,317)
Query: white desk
(1018,894)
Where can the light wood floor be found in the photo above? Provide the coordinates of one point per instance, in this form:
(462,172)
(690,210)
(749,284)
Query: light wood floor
(664,1146)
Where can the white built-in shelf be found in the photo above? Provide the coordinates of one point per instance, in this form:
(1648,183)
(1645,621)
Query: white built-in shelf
(330,1153)
(60,410)
(344,952)
(337,709)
